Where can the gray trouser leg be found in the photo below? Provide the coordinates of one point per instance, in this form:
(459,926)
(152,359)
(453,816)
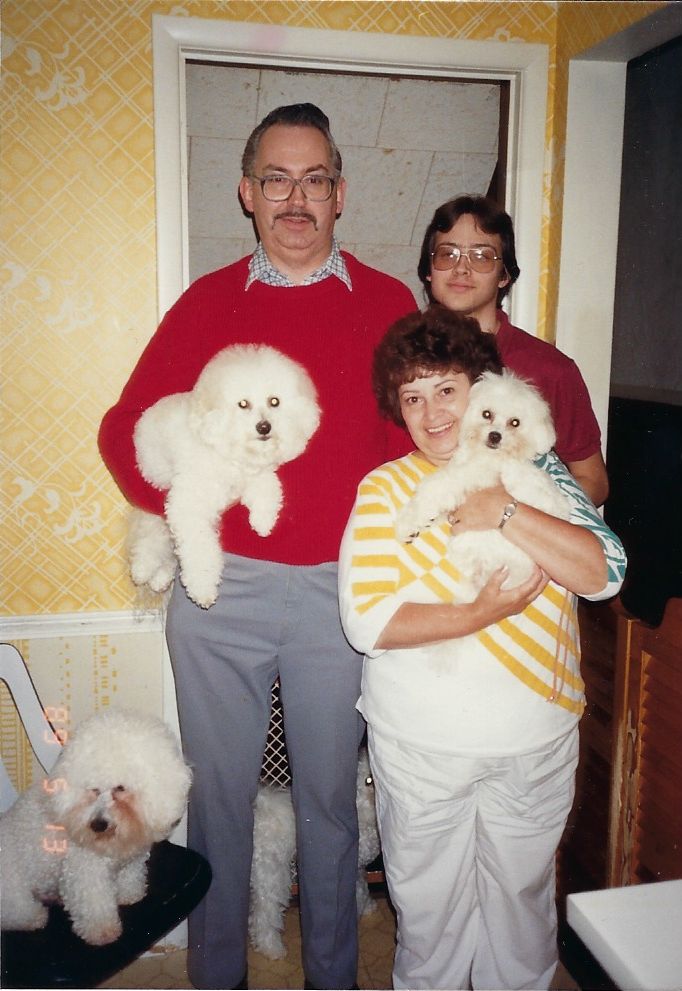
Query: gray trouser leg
(269,618)
(320,684)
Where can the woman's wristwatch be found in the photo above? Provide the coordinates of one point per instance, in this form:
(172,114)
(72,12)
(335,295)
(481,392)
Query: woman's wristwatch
(507,513)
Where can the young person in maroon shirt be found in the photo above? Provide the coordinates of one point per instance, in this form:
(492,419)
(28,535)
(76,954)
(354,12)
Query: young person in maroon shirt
(468,263)
(277,610)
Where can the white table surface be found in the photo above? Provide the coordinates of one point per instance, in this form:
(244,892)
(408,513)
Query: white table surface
(634,932)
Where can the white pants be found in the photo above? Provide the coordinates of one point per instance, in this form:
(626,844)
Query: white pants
(469,848)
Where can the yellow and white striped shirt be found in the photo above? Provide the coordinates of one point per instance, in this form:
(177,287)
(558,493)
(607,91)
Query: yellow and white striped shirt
(485,693)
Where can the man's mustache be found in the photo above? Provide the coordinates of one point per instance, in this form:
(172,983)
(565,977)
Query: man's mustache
(297,215)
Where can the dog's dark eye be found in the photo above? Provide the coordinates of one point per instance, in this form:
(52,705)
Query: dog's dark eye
(514,423)
(118,789)
(273,401)
(486,414)
(244,404)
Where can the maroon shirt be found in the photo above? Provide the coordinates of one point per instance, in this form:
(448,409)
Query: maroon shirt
(560,382)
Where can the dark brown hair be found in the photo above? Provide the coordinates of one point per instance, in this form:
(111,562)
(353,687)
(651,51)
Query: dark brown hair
(489,217)
(436,340)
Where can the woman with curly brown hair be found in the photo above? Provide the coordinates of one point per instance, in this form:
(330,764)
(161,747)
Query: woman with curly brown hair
(472,707)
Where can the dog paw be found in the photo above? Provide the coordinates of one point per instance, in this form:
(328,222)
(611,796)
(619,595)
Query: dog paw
(203,592)
(262,522)
(132,894)
(162,578)
(24,917)
(99,935)
(406,527)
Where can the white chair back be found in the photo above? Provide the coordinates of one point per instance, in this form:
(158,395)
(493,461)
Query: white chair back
(42,737)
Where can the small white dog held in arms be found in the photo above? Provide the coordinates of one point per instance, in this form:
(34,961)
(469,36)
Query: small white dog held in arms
(274,851)
(251,410)
(83,835)
(506,425)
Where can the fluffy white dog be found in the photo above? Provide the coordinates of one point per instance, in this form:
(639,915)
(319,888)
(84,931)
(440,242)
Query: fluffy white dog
(274,851)
(506,425)
(251,410)
(83,835)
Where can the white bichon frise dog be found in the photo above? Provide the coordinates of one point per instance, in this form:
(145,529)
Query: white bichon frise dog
(506,425)
(83,835)
(251,410)
(274,852)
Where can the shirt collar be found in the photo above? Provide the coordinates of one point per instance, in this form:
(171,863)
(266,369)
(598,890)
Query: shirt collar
(261,269)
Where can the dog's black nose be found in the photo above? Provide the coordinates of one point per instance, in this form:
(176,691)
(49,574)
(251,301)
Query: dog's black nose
(494,438)
(99,825)
(263,427)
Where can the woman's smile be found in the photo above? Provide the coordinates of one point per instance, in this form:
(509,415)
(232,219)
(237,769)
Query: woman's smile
(432,407)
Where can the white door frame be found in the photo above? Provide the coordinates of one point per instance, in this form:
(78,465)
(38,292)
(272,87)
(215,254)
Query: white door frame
(177,39)
(591,204)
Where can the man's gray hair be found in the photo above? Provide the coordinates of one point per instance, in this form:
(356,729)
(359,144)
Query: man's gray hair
(293,115)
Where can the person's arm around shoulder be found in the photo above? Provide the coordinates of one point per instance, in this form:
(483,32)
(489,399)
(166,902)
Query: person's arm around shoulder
(592,477)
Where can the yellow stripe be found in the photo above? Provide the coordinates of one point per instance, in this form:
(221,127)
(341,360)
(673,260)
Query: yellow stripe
(450,570)
(374,561)
(419,558)
(369,487)
(541,654)
(364,607)
(555,595)
(373,588)
(527,677)
(399,481)
(431,538)
(372,508)
(440,590)
(414,475)
(405,575)
(374,533)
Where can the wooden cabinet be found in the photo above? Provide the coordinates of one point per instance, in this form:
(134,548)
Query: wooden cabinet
(626,822)
(645,836)
(583,855)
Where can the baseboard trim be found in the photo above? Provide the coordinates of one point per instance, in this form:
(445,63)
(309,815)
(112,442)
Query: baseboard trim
(90,624)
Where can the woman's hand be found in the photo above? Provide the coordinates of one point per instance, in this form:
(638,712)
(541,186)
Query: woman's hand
(570,555)
(480,511)
(415,623)
(493,603)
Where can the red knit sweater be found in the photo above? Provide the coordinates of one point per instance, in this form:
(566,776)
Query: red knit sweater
(329,330)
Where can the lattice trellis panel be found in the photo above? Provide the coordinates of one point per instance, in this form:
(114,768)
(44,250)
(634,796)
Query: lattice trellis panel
(275,769)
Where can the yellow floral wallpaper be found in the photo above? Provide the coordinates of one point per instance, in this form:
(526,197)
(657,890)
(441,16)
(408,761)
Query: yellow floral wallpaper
(79,234)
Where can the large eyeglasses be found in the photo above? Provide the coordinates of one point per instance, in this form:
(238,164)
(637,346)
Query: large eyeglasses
(277,188)
(447,256)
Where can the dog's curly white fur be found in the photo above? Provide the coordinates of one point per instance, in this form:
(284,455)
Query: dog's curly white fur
(83,835)
(506,425)
(274,851)
(251,410)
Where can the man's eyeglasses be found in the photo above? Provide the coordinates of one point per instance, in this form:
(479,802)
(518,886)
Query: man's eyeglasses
(277,188)
(447,256)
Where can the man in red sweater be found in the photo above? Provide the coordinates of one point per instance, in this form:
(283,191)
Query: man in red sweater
(468,263)
(277,610)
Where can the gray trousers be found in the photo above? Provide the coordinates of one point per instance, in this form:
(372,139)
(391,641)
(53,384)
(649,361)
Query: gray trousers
(270,619)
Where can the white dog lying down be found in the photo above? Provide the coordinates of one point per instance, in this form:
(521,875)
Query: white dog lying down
(252,409)
(274,850)
(83,835)
(506,425)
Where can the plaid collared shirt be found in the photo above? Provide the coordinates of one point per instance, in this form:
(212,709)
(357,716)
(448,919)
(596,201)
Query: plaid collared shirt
(262,270)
